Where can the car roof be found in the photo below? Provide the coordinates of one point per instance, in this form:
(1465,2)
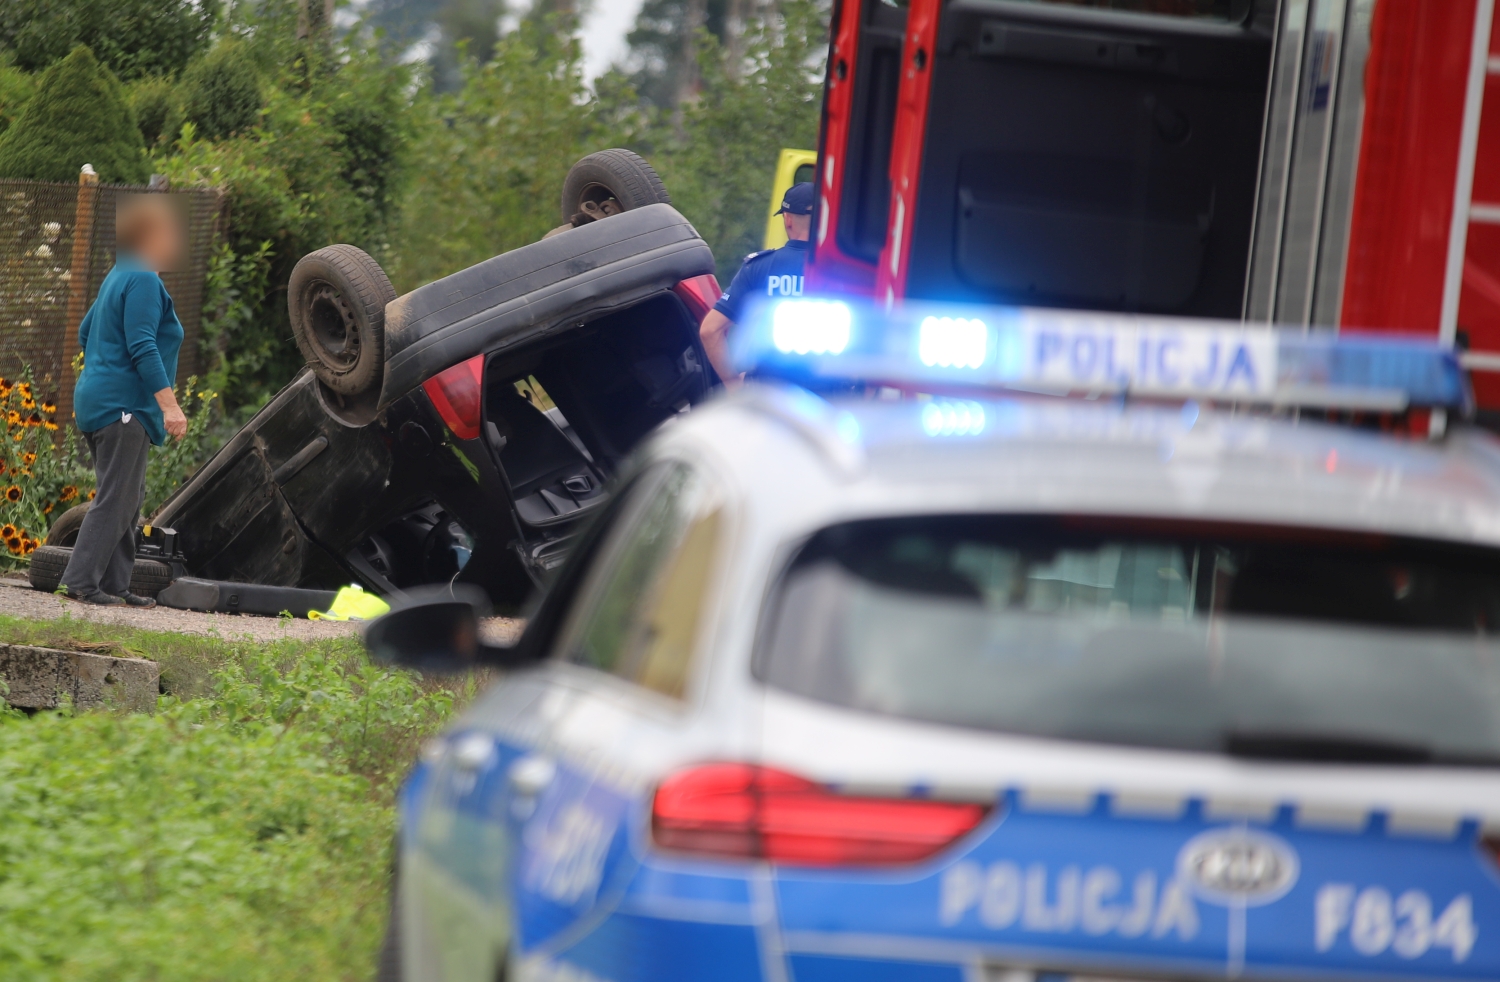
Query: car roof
(1041,454)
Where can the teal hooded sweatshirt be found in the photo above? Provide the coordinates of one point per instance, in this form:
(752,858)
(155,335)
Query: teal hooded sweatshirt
(130,339)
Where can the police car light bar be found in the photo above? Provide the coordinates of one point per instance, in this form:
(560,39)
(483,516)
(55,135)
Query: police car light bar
(935,347)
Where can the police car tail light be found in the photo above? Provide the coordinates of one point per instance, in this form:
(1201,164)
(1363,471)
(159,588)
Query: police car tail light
(455,394)
(745,811)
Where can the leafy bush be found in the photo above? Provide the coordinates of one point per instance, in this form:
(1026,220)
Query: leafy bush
(16,89)
(175,461)
(488,168)
(43,473)
(132,37)
(77,116)
(242,832)
(219,95)
(40,477)
(150,100)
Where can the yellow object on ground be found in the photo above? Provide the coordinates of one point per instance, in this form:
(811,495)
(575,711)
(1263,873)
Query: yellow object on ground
(793,167)
(352,604)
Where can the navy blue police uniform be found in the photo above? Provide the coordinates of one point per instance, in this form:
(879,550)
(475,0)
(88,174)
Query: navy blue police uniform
(774,273)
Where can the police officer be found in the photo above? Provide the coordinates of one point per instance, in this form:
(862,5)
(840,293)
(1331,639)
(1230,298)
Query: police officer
(772,273)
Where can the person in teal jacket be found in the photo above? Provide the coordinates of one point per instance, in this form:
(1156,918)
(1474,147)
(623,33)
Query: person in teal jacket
(123,401)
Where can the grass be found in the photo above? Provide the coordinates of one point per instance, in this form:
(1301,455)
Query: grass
(242,831)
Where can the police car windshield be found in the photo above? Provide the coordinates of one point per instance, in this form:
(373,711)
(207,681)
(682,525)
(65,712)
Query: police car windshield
(1269,641)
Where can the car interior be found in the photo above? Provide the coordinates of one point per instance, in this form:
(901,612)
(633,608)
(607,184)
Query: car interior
(560,418)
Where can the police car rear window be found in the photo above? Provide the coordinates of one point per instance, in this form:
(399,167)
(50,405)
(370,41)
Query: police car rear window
(1225,10)
(1272,642)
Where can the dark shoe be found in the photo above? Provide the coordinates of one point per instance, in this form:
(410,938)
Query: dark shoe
(97,599)
(136,600)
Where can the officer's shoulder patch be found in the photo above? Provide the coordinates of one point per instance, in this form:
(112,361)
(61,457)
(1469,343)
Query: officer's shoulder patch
(757,255)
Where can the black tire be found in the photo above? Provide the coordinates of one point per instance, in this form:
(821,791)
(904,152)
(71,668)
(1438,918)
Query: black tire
(611,174)
(48,563)
(64,531)
(336,299)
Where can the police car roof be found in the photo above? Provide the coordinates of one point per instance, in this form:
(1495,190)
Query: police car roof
(1051,455)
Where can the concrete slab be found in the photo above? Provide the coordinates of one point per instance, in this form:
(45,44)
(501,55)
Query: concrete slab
(43,678)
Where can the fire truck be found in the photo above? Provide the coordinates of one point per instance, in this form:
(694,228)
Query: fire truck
(1295,162)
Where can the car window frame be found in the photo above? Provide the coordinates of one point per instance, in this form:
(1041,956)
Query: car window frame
(631,507)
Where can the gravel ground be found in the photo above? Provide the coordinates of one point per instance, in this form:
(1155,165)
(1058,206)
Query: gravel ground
(18,599)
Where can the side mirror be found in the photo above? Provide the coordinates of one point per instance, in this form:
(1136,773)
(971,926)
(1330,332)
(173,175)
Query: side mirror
(436,630)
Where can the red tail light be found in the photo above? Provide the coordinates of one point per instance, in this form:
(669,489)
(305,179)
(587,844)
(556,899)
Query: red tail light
(699,295)
(749,812)
(455,395)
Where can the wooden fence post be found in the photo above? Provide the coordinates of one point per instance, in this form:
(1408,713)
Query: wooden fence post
(79,275)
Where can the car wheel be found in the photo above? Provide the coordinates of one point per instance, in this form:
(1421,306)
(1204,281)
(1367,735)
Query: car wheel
(607,183)
(64,531)
(336,298)
(48,563)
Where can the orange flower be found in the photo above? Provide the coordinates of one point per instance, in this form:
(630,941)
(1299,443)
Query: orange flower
(6,531)
(35,419)
(14,543)
(68,493)
(50,425)
(13,494)
(91,494)
(4,467)
(28,403)
(49,407)
(24,388)
(28,458)
(28,546)
(47,508)
(13,417)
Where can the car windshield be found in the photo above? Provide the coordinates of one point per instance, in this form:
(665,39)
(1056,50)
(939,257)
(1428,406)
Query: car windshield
(1272,642)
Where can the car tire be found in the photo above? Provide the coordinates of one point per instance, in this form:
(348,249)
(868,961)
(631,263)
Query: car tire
(618,175)
(64,531)
(48,563)
(336,299)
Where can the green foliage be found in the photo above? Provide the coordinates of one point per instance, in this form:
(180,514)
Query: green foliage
(40,477)
(323,166)
(720,170)
(77,116)
(175,461)
(219,95)
(16,89)
(150,99)
(241,832)
(488,167)
(132,37)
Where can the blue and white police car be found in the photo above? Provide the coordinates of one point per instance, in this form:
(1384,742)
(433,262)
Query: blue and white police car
(992,686)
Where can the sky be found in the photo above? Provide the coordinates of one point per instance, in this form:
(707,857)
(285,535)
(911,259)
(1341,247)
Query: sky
(604,30)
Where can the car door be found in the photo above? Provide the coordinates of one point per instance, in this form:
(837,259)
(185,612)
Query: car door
(523,839)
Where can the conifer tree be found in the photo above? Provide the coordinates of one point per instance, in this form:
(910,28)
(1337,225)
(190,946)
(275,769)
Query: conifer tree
(78,116)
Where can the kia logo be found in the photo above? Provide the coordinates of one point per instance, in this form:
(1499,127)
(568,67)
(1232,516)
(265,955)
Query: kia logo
(1238,866)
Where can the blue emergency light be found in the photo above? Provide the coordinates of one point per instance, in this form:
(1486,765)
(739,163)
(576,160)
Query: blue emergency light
(934,347)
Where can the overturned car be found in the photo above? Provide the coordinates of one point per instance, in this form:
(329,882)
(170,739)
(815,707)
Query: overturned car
(460,432)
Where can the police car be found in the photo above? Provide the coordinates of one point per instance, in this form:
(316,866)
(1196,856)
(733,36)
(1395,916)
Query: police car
(1154,681)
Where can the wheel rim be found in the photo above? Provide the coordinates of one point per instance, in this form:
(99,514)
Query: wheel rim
(334,331)
(602,199)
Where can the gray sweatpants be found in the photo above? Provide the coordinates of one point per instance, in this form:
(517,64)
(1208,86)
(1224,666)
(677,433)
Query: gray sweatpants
(104,555)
